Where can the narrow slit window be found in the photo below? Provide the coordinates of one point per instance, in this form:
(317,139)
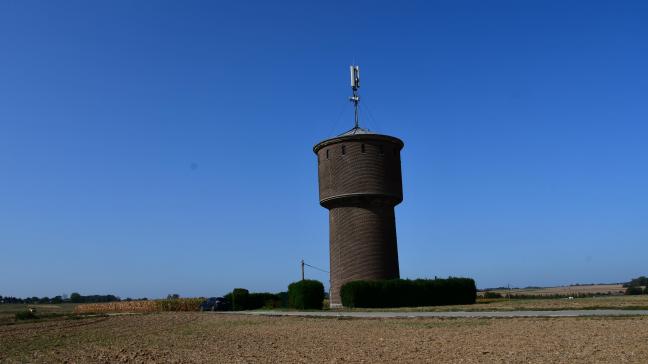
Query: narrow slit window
(327,154)
(343,150)
(362,148)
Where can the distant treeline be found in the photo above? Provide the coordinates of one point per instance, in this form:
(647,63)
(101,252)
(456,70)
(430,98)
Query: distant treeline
(73,298)
(31,300)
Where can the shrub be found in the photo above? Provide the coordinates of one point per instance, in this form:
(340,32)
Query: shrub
(639,281)
(283,299)
(238,298)
(306,294)
(409,293)
(75,297)
(261,300)
(25,315)
(491,294)
(631,291)
(241,299)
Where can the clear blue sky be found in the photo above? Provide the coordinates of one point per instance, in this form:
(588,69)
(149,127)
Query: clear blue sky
(156,147)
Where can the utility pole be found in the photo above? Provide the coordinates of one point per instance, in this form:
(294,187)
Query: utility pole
(302,268)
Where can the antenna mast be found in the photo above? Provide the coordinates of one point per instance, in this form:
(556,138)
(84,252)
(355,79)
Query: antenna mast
(355,85)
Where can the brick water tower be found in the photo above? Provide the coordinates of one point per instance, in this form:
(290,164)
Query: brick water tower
(360,184)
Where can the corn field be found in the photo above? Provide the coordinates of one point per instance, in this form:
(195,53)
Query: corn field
(180,304)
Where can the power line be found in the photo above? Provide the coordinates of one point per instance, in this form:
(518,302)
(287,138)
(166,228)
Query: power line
(312,266)
(319,269)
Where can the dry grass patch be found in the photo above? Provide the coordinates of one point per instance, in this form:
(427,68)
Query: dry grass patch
(548,304)
(566,290)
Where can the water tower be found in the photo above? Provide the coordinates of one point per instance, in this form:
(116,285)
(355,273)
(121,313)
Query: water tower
(360,184)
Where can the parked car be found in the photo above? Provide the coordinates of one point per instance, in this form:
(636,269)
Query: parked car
(215,304)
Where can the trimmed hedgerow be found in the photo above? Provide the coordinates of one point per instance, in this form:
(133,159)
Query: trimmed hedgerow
(241,299)
(491,294)
(263,300)
(631,291)
(283,299)
(409,293)
(238,298)
(306,295)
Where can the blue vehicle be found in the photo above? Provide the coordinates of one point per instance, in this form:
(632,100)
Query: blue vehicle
(215,304)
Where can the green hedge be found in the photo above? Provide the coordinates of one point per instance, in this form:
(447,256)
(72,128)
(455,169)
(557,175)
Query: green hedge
(306,294)
(238,298)
(241,299)
(633,291)
(261,300)
(490,294)
(409,293)
(283,299)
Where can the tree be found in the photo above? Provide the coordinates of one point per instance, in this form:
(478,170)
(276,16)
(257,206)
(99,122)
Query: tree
(633,290)
(173,296)
(639,281)
(238,298)
(75,297)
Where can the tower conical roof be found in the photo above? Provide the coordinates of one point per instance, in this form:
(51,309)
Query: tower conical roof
(357,130)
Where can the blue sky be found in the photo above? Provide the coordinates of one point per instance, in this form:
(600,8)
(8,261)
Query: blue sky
(156,147)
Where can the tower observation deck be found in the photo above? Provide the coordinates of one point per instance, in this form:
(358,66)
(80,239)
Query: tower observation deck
(360,184)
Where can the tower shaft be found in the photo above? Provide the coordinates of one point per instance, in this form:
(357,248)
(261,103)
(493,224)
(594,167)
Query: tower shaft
(362,244)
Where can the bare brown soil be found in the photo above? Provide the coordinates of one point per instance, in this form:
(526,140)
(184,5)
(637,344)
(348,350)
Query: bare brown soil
(208,337)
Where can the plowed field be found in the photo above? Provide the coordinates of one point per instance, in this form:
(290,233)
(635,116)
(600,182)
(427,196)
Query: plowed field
(206,337)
